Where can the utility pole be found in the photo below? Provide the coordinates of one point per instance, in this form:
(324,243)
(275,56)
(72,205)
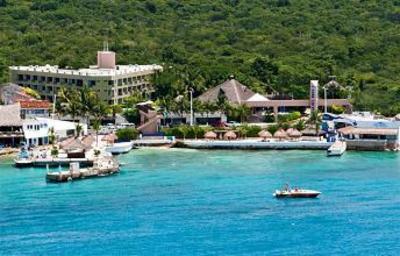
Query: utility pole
(325,100)
(191,106)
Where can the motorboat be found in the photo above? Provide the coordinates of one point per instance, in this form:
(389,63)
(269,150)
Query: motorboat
(120,147)
(296,193)
(23,158)
(337,148)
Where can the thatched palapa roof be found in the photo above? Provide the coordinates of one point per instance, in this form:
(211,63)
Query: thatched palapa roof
(265,134)
(231,89)
(230,135)
(210,135)
(10,115)
(280,134)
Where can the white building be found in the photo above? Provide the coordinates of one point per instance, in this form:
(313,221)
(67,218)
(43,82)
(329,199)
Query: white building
(36,132)
(112,82)
(63,129)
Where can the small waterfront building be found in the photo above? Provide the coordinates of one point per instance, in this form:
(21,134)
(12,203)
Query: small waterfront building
(361,138)
(111,82)
(11,133)
(36,132)
(34,108)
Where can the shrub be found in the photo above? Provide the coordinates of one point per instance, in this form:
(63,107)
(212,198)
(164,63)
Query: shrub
(127,134)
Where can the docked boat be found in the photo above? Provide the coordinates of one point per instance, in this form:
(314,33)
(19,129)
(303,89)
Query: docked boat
(296,193)
(23,159)
(120,147)
(337,148)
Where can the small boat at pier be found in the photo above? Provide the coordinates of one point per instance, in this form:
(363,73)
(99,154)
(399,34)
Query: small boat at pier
(286,192)
(120,147)
(101,168)
(23,159)
(337,148)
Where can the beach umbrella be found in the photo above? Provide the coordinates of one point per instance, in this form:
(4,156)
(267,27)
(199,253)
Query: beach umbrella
(265,134)
(210,135)
(295,133)
(230,135)
(289,131)
(110,138)
(280,134)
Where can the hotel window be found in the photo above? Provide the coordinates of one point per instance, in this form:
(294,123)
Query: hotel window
(79,82)
(49,79)
(57,80)
(20,77)
(110,82)
(91,83)
(27,77)
(34,78)
(42,78)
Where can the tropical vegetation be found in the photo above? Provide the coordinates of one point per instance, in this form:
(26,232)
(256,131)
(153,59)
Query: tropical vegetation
(270,45)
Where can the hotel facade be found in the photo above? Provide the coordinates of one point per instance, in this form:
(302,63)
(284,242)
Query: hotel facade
(113,83)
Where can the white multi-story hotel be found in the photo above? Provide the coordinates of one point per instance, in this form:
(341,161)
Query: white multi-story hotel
(112,82)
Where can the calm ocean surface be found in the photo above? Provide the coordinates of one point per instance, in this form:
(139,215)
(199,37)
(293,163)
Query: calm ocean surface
(187,202)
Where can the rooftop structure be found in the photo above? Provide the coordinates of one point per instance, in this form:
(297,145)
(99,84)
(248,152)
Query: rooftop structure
(237,93)
(231,89)
(112,82)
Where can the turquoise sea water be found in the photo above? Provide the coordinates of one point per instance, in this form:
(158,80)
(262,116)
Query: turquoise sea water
(186,202)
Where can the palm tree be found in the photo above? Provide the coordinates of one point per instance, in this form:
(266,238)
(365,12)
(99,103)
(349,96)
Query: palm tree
(315,119)
(242,111)
(96,126)
(115,109)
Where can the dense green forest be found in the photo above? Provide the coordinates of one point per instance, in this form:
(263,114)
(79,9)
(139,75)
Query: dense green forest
(270,45)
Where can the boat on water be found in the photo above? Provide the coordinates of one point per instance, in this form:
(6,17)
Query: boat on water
(23,159)
(286,192)
(120,147)
(337,148)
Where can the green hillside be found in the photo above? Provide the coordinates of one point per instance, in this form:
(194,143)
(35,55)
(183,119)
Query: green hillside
(267,44)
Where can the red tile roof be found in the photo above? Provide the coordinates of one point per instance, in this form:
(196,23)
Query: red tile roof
(35,104)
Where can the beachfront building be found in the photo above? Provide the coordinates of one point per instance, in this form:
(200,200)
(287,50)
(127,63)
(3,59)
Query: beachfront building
(361,138)
(36,132)
(236,93)
(11,133)
(111,82)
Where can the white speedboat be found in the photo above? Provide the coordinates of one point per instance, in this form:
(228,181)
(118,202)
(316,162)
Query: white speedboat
(337,148)
(296,193)
(120,147)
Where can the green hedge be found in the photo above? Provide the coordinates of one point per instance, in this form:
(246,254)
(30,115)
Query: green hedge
(127,134)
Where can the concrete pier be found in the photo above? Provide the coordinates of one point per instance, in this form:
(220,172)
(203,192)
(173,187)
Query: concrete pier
(256,144)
